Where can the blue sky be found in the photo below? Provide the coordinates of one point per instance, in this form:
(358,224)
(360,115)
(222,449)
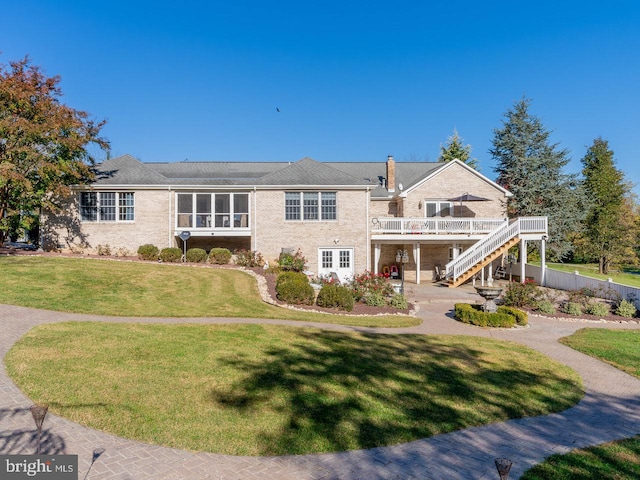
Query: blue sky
(354,81)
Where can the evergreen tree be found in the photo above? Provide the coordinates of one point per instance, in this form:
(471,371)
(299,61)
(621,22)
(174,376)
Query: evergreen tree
(610,231)
(455,148)
(531,168)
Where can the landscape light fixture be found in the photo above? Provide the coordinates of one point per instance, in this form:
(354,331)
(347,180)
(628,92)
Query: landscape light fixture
(39,412)
(504,466)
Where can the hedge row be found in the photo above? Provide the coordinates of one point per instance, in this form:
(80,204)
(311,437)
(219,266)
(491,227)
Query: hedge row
(220,256)
(505,317)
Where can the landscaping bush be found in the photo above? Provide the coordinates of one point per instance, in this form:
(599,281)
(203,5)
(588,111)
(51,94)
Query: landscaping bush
(598,309)
(148,252)
(546,306)
(103,250)
(220,256)
(521,317)
(572,308)
(375,299)
(171,254)
(196,255)
(294,288)
(335,296)
(247,258)
(292,262)
(367,283)
(474,315)
(521,294)
(399,301)
(626,309)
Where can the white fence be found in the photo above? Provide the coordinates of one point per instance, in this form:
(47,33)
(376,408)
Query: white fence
(572,281)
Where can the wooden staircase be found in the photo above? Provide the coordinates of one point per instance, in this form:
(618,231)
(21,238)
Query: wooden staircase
(483,263)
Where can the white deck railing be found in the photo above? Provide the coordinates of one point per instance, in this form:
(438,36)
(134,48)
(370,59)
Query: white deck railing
(435,225)
(492,242)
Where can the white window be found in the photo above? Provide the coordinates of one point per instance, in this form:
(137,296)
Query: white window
(212,210)
(107,206)
(434,208)
(310,206)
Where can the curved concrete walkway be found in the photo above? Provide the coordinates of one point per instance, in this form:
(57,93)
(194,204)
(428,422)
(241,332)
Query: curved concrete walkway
(609,411)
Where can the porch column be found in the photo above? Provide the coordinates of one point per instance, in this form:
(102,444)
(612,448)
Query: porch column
(523,260)
(376,257)
(543,261)
(416,257)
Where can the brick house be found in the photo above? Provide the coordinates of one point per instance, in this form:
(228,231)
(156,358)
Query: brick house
(345,217)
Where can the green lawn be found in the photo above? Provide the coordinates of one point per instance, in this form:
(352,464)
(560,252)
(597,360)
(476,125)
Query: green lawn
(616,460)
(139,289)
(627,276)
(616,347)
(272,390)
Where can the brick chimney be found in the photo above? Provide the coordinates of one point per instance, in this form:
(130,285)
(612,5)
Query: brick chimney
(391,174)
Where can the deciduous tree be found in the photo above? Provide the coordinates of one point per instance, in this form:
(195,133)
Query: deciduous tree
(531,168)
(43,145)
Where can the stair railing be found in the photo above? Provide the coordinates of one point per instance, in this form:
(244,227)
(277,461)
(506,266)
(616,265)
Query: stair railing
(493,241)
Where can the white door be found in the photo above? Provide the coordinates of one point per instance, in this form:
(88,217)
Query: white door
(336,260)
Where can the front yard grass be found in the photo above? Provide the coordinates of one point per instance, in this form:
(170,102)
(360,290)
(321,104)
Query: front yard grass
(274,390)
(138,289)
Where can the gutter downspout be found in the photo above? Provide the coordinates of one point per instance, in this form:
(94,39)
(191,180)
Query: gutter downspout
(368,251)
(254,239)
(169,219)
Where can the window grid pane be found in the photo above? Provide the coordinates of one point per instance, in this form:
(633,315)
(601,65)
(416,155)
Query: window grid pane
(311,206)
(328,205)
(292,206)
(345,259)
(107,207)
(89,206)
(327,259)
(125,202)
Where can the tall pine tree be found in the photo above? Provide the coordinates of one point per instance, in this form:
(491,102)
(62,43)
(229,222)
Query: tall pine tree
(610,225)
(531,168)
(455,148)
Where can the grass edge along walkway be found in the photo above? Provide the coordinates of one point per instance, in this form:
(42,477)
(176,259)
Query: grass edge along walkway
(147,289)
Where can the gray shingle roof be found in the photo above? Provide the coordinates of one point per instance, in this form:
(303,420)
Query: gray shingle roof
(126,170)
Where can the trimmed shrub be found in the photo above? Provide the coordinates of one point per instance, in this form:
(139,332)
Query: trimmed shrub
(521,317)
(598,309)
(545,306)
(375,299)
(626,309)
(294,288)
(171,254)
(399,301)
(572,308)
(474,315)
(196,255)
(246,258)
(148,252)
(335,296)
(220,256)
(521,294)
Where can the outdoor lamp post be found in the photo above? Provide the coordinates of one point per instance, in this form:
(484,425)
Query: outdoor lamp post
(511,258)
(402,257)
